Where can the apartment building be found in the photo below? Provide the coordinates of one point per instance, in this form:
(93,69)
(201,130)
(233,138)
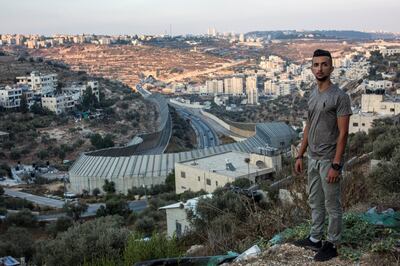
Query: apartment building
(362,121)
(273,63)
(375,103)
(78,91)
(211,172)
(233,86)
(252,90)
(59,103)
(279,88)
(215,86)
(10,96)
(379,84)
(39,83)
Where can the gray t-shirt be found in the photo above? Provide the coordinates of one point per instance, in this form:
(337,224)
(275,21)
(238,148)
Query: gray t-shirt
(323,110)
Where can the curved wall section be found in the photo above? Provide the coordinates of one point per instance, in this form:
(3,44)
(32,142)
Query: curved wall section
(91,169)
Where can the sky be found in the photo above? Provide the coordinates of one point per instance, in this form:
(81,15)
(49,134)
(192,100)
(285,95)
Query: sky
(194,16)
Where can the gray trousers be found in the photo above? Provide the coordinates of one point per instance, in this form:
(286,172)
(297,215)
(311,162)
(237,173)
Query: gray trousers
(324,197)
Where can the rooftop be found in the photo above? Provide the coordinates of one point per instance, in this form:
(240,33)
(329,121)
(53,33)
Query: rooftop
(230,163)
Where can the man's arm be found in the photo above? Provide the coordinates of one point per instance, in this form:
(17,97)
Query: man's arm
(304,142)
(343,125)
(298,167)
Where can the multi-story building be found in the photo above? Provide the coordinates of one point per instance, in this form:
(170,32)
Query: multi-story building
(279,88)
(215,86)
(379,84)
(252,90)
(79,91)
(39,83)
(60,103)
(389,51)
(375,103)
(233,86)
(10,96)
(362,122)
(211,172)
(273,64)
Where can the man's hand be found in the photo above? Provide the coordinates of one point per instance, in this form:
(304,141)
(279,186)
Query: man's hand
(298,166)
(333,176)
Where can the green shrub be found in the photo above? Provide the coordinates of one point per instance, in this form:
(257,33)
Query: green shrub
(93,240)
(158,246)
(22,218)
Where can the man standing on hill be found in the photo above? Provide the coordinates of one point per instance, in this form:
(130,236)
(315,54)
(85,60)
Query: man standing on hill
(325,135)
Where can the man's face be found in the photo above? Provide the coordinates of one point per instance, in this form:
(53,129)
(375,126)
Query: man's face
(321,67)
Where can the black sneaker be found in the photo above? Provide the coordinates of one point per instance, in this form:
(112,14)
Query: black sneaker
(327,252)
(307,243)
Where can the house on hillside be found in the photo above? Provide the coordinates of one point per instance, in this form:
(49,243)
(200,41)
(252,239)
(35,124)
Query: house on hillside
(177,220)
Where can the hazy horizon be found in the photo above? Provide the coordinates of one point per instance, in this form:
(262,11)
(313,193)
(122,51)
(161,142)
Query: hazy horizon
(157,16)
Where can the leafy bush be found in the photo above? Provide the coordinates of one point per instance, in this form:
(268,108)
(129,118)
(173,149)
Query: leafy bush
(114,206)
(145,225)
(61,225)
(100,238)
(100,143)
(16,242)
(23,218)
(158,246)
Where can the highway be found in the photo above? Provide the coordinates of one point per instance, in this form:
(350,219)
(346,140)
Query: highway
(206,136)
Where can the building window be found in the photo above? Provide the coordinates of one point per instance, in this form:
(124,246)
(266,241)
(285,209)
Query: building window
(363,124)
(183,174)
(216,183)
(198,178)
(355,124)
(208,181)
(391,109)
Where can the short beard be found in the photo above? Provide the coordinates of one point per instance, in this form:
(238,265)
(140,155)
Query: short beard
(322,79)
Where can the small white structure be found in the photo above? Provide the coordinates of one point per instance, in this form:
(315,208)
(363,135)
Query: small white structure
(177,220)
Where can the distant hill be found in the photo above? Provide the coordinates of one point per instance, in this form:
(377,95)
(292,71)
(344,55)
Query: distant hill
(318,34)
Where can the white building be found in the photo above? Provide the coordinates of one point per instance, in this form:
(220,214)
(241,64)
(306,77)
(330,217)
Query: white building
(379,84)
(251,90)
(273,64)
(389,51)
(77,92)
(211,172)
(10,97)
(279,88)
(39,83)
(177,220)
(375,103)
(59,103)
(233,86)
(215,86)
(362,122)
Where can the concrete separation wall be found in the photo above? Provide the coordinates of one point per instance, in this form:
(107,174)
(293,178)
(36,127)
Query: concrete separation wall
(196,106)
(245,130)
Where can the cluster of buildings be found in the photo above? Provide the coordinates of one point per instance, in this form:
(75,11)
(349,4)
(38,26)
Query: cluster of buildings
(37,41)
(42,89)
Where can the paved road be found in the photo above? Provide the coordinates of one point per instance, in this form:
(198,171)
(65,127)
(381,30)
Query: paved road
(206,136)
(35,199)
(135,206)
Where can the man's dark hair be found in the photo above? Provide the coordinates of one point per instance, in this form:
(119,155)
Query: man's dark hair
(320,52)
